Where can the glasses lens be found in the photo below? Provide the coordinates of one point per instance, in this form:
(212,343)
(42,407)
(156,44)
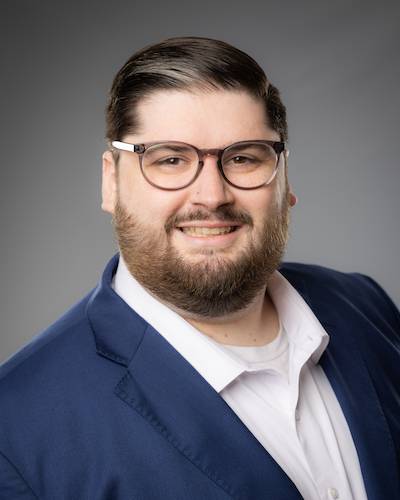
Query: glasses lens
(170,165)
(249,165)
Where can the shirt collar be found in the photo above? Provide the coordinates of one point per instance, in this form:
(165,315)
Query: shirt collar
(302,326)
(213,363)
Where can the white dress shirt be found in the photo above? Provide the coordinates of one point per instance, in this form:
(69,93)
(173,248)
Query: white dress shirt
(278,390)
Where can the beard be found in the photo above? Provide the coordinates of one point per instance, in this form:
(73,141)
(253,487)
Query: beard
(215,285)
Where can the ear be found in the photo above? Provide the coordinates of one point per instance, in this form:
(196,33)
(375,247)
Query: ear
(292,197)
(109,183)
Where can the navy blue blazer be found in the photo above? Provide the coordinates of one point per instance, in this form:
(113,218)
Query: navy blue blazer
(100,407)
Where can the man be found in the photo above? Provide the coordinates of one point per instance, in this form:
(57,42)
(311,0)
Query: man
(196,369)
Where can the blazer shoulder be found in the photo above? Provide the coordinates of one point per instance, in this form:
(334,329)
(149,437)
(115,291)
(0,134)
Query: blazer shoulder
(313,277)
(321,276)
(314,272)
(357,289)
(48,343)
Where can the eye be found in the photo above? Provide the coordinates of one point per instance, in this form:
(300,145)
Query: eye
(171,161)
(239,160)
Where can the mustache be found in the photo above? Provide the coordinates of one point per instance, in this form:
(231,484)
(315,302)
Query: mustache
(223,213)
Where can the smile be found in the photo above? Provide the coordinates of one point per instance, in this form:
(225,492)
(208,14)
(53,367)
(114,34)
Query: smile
(207,231)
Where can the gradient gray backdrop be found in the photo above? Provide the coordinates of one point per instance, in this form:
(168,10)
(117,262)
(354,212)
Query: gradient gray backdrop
(337,66)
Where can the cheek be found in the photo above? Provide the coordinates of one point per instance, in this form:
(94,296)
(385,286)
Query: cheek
(151,206)
(270,200)
(261,203)
(281,184)
(130,185)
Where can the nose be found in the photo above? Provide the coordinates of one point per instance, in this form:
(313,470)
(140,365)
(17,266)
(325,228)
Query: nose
(210,188)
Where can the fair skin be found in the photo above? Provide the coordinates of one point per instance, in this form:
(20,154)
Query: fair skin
(212,119)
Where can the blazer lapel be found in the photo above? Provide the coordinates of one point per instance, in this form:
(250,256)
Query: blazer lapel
(344,364)
(167,391)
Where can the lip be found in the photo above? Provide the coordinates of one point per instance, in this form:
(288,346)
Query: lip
(209,223)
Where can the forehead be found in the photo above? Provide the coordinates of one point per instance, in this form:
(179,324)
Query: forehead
(202,118)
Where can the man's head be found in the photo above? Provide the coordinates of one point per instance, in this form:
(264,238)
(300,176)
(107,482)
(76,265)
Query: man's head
(188,63)
(206,249)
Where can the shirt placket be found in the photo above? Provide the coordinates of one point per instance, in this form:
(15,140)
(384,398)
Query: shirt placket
(310,435)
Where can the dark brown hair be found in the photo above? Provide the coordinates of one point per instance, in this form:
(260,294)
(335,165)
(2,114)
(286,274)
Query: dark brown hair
(186,63)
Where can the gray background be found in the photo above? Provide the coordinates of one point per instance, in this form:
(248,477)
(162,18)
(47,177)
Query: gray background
(336,64)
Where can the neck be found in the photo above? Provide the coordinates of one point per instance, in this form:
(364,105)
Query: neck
(256,325)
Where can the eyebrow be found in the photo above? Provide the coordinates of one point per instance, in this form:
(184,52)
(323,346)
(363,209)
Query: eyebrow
(173,147)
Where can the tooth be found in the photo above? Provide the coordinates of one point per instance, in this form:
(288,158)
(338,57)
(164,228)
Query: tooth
(206,231)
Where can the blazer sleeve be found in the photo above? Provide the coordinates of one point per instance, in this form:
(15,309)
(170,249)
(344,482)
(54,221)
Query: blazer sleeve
(12,484)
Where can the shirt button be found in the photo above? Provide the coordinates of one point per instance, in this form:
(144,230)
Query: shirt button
(333,493)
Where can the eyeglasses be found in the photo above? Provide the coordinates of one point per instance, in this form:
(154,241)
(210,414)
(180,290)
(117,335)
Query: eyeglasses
(175,165)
